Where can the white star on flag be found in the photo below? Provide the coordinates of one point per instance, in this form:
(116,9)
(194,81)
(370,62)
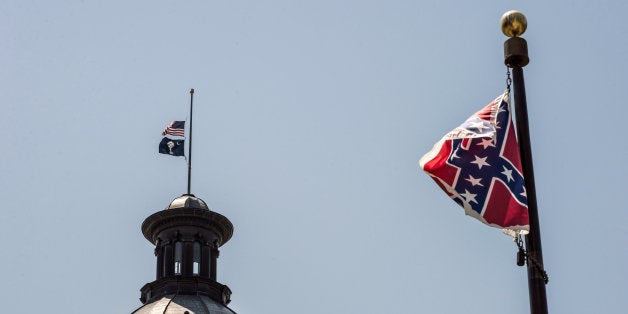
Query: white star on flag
(480,162)
(474,181)
(508,174)
(486,143)
(469,197)
(479,125)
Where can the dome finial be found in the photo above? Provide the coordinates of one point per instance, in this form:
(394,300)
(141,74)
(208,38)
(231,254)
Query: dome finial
(188,201)
(513,23)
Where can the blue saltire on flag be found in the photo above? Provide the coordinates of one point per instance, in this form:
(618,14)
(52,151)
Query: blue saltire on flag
(478,165)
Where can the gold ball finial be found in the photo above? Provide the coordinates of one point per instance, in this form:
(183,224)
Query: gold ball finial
(513,23)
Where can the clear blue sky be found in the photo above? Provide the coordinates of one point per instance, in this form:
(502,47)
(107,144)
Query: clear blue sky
(310,118)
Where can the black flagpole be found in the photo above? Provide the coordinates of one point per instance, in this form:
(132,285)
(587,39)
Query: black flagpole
(190,143)
(516,57)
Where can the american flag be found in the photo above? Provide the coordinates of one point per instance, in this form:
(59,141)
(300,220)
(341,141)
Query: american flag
(175,128)
(478,165)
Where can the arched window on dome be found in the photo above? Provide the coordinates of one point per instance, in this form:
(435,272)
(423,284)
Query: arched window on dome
(196,258)
(178,256)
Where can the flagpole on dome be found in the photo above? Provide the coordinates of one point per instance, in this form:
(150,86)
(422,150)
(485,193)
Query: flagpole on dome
(190,144)
(514,24)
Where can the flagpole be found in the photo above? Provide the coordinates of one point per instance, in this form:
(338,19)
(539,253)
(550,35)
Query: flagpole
(513,25)
(190,143)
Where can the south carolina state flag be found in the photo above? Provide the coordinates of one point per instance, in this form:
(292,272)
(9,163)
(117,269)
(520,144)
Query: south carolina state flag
(478,165)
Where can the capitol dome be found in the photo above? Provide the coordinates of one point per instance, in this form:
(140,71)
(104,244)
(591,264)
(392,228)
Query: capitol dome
(181,304)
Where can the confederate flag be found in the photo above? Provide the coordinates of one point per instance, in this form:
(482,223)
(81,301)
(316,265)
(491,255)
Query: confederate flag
(478,165)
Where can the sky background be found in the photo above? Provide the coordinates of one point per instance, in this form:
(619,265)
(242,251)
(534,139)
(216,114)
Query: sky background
(309,121)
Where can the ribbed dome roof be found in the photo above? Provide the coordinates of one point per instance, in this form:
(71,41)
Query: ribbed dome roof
(188,201)
(181,304)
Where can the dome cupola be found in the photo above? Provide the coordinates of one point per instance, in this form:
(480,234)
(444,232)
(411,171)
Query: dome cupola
(187,236)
